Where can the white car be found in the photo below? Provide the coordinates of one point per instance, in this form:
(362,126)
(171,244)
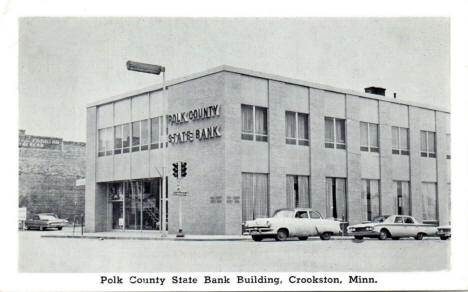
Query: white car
(299,222)
(444,232)
(394,226)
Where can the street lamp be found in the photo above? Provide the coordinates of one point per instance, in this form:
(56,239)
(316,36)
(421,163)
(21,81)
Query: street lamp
(157,69)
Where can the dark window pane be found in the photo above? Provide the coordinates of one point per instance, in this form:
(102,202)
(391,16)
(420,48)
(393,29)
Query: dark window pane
(340,146)
(290,141)
(261,138)
(303,142)
(303,126)
(261,120)
(247,136)
(363,148)
(404,152)
(395,151)
(135,133)
(329,145)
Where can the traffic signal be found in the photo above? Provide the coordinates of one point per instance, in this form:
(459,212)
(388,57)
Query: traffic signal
(175,169)
(183,169)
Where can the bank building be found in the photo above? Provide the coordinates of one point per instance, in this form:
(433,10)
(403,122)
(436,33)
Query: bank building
(255,143)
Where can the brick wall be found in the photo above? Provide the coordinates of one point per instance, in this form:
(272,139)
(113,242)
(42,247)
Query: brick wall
(47,179)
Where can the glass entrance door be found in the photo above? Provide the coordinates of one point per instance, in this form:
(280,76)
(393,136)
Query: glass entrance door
(117,215)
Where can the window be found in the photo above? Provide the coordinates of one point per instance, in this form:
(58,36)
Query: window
(400,140)
(335,133)
(402,198)
(369,137)
(428,144)
(336,198)
(144,135)
(125,138)
(156,132)
(118,139)
(297,128)
(136,136)
(297,191)
(370,199)
(429,201)
(448,146)
(254,196)
(105,140)
(254,127)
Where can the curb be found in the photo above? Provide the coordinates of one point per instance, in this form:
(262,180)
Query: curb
(142,238)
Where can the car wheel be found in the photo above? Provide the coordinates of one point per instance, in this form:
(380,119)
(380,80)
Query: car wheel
(444,237)
(257,238)
(59,228)
(359,237)
(41,228)
(383,234)
(303,237)
(281,235)
(395,238)
(419,236)
(325,236)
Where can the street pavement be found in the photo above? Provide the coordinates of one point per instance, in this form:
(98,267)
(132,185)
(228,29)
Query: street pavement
(49,254)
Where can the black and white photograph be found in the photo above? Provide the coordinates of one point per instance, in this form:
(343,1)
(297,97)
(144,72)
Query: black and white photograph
(236,153)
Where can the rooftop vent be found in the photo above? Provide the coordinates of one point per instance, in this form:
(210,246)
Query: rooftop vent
(375,90)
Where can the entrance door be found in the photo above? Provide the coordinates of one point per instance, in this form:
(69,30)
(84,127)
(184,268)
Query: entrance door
(117,215)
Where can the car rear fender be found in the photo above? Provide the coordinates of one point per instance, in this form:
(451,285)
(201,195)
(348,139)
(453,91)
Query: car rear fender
(333,227)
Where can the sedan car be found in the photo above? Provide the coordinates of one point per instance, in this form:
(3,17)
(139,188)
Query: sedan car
(299,222)
(43,221)
(444,232)
(394,226)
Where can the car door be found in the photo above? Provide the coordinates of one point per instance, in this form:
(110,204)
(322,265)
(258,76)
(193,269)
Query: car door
(398,227)
(410,227)
(301,223)
(315,222)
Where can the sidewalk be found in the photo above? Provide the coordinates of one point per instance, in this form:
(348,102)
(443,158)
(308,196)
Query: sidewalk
(67,232)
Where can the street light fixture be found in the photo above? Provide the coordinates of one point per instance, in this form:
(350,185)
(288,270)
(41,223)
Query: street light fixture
(157,69)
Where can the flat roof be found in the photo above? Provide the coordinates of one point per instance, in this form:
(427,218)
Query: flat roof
(227,68)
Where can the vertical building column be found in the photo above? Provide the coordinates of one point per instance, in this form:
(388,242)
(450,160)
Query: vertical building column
(442,183)
(353,159)
(317,151)
(277,145)
(415,163)
(231,113)
(387,193)
(90,188)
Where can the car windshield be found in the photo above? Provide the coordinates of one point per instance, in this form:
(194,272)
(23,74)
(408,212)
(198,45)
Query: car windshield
(47,217)
(379,219)
(284,214)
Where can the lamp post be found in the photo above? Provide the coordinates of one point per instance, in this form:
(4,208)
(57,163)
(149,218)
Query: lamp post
(157,69)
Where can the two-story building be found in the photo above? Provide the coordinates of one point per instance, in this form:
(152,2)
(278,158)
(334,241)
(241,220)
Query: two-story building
(255,143)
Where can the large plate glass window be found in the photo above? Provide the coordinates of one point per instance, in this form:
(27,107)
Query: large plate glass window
(428,144)
(402,198)
(336,198)
(297,191)
(254,123)
(370,199)
(136,136)
(255,198)
(335,133)
(400,144)
(105,141)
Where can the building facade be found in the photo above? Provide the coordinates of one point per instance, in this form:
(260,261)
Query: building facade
(48,171)
(255,143)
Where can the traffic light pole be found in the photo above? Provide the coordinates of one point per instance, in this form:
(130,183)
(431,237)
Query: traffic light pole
(164,153)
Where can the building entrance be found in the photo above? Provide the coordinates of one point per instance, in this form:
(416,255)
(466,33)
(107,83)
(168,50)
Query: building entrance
(135,204)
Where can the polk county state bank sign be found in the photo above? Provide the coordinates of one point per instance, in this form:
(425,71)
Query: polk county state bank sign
(200,134)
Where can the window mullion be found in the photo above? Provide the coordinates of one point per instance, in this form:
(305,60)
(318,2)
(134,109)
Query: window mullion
(297,127)
(253,124)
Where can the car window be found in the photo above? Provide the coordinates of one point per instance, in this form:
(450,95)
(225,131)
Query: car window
(398,219)
(36,217)
(314,215)
(409,220)
(284,214)
(301,214)
(47,217)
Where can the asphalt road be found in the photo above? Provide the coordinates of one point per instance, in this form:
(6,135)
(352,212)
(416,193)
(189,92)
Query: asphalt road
(37,254)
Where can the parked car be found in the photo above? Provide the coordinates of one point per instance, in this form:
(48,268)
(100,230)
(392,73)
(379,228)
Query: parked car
(444,232)
(299,222)
(43,221)
(394,226)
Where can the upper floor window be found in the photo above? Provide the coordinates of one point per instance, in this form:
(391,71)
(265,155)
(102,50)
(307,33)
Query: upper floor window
(369,137)
(297,128)
(156,132)
(400,140)
(105,141)
(335,133)
(428,144)
(254,123)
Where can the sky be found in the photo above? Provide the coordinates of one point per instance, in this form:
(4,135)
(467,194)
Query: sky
(66,63)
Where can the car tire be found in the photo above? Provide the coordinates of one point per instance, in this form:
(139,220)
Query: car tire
(395,238)
(281,235)
(257,238)
(59,228)
(358,237)
(419,236)
(383,235)
(41,228)
(303,237)
(325,236)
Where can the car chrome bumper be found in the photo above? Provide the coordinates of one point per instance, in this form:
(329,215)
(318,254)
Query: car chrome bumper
(259,231)
(364,233)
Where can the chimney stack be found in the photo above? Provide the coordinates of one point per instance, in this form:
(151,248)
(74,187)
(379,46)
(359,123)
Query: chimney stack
(375,90)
